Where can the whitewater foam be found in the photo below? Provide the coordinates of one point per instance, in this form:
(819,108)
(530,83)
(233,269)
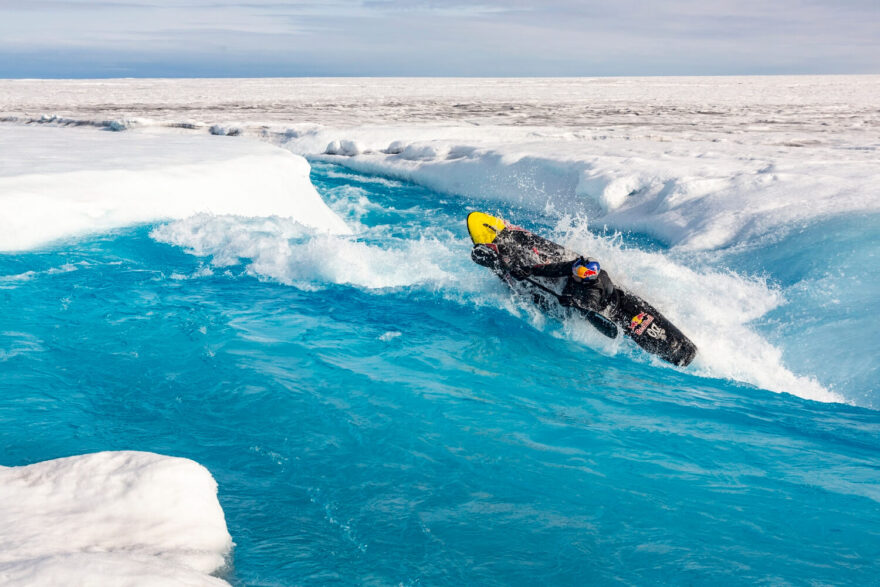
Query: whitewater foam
(716,309)
(290,253)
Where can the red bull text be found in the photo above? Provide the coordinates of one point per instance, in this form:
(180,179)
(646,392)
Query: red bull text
(639,323)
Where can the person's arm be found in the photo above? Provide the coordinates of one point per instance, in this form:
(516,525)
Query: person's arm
(561,269)
(591,298)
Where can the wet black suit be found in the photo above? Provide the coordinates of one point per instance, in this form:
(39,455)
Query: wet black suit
(598,298)
(596,294)
(625,309)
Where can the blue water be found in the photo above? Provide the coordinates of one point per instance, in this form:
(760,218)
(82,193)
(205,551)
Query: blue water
(403,436)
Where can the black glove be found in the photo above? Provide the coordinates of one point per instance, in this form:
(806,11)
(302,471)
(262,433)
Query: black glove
(483,255)
(566,300)
(592,299)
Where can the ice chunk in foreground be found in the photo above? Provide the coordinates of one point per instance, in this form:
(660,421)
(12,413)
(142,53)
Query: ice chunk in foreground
(111,518)
(57,183)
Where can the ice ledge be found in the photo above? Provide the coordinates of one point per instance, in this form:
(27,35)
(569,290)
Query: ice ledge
(58,183)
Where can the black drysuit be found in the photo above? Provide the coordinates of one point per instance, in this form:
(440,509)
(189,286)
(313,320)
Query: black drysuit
(589,294)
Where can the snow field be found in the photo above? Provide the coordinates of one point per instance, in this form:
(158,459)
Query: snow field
(698,163)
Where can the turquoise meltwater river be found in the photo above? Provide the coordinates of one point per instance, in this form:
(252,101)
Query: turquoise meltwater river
(377,409)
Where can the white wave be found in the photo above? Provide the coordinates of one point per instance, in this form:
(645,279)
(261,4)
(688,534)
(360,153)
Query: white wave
(715,309)
(197,274)
(374,179)
(351,204)
(61,183)
(18,277)
(288,252)
(111,518)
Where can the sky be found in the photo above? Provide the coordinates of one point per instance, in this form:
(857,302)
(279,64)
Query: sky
(224,38)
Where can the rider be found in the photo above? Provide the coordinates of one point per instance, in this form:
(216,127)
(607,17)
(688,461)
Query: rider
(588,285)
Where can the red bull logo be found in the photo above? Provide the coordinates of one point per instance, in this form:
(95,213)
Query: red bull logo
(640,322)
(586,272)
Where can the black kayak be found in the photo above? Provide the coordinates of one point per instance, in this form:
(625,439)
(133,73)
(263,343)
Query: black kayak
(502,246)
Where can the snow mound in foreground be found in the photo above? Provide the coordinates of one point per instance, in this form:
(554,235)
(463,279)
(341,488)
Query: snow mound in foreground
(111,518)
(57,183)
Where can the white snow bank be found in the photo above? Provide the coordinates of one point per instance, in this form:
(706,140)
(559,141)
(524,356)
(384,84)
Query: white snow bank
(694,195)
(344,148)
(57,183)
(111,518)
